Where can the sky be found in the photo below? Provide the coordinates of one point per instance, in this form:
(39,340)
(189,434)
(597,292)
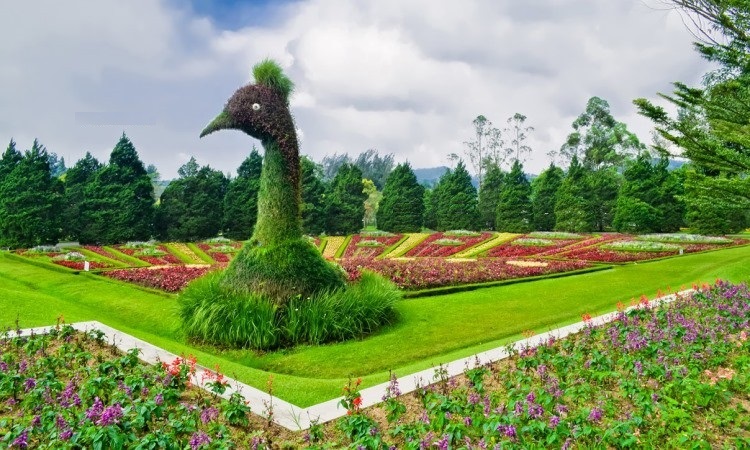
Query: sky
(401,76)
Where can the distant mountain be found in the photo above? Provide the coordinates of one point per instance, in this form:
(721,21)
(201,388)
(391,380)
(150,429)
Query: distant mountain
(430,176)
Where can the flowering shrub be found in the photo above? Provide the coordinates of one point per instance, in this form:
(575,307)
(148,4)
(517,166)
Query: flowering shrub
(170,279)
(431,248)
(70,390)
(436,272)
(667,377)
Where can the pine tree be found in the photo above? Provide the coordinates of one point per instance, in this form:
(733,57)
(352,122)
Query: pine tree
(544,196)
(241,201)
(313,207)
(77,178)
(120,204)
(489,195)
(431,197)
(29,199)
(514,205)
(457,201)
(573,206)
(402,207)
(11,157)
(345,204)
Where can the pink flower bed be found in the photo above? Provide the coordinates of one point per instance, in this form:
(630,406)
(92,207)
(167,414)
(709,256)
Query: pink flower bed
(353,250)
(219,257)
(511,250)
(100,251)
(436,272)
(170,279)
(428,247)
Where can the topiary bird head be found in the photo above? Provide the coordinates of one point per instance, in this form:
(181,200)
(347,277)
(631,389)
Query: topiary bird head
(261,109)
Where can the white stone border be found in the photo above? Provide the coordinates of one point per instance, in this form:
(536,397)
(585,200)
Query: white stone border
(295,418)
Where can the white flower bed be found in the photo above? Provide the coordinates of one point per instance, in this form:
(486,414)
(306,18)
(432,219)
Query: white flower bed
(554,235)
(685,238)
(640,246)
(533,242)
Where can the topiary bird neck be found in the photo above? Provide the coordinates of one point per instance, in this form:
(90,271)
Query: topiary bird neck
(279,197)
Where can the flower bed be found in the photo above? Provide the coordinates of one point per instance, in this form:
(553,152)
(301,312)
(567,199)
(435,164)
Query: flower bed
(684,238)
(594,254)
(72,390)
(412,239)
(221,252)
(79,265)
(667,377)
(170,279)
(528,247)
(332,246)
(436,272)
(640,246)
(156,255)
(430,247)
(555,235)
(369,245)
(101,251)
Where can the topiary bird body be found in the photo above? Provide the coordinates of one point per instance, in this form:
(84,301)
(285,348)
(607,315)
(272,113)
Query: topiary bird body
(277,262)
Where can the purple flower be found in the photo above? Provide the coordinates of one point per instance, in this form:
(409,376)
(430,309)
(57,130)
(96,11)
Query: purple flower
(567,444)
(541,370)
(36,421)
(66,434)
(95,411)
(29,384)
(111,415)
(199,439)
(554,421)
(60,422)
(159,399)
(3,366)
(510,431)
(518,410)
(22,441)
(442,444)
(535,410)
(531,397)
(595,415)
(467,421)
(209,414)
(22,366)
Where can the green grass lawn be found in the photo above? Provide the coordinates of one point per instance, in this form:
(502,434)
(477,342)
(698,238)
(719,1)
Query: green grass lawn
(431,330)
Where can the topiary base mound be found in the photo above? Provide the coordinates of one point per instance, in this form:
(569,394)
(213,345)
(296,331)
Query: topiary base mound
(216,313)
(283,271)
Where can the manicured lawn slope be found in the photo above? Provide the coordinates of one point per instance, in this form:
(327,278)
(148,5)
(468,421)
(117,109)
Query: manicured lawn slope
(432,330)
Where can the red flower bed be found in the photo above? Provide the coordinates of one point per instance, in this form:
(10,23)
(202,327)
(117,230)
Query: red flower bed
(436,272)
(612,256)
(78,265)
(170,279)
(428,247)
(219,257)
(353,250)
(99,250)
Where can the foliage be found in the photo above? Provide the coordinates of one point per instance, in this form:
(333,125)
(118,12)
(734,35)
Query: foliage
(375,167)
(402,207)
(269,73)
(345,207)
(514,213)
(486,147)
(313,198)
(517,133)
(191,207)
(372,203)
(455,200)
(598,140)
(30,198)
(572,207)
(170,279)
(647,199)
(119,204)
(544,196)
(489,195)
(77,178)
(214,312)
(241,200)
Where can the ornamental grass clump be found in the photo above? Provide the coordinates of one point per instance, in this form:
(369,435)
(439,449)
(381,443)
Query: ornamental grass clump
(277,264)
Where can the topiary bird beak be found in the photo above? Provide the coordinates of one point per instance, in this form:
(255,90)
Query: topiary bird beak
(222,122)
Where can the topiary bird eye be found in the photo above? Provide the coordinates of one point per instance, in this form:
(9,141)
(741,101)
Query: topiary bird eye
(256,106)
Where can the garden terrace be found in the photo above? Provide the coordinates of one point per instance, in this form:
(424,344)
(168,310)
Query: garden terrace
(430,329)
(369,246)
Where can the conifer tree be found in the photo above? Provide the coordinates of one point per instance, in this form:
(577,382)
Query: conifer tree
(345,204)
(402,207)
(514,205)
(489,195)
(241,200)
(120,204)
(11,157)
(29,199)
(544,196)
(191,207)
(77,179)
(456,201)
(573,206)
(313,207)
(431,197)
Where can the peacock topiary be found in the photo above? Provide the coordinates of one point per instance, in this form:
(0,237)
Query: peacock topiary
(279,290)
(277,261)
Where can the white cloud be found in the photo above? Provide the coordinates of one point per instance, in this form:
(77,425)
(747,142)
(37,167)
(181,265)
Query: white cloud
(402,77)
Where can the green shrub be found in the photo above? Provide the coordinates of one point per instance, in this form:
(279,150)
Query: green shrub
(215,313)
